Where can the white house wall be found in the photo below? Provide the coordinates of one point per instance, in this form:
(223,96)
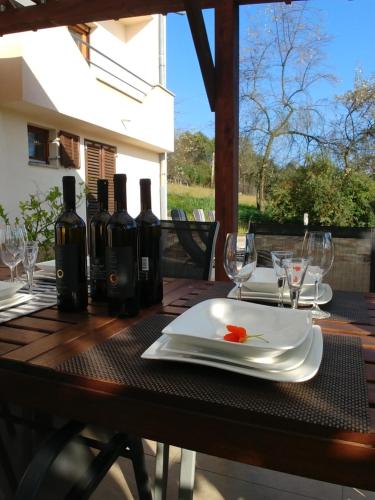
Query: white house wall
(18,179)
(55,76)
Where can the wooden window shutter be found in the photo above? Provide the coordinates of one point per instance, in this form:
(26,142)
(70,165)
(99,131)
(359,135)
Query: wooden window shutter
(100,164)
(69,150)
(109,170)
(93,161)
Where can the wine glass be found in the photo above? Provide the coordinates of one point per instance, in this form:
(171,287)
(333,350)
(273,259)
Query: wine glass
(295,270)
(29,260)
(319,248)
(278,257)
(12,247)
(240,258)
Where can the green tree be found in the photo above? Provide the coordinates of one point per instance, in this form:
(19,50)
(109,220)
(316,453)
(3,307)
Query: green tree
(281,62)
(330,195)
(191,162)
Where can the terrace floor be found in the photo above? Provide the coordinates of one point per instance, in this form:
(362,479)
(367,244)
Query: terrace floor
(218,479)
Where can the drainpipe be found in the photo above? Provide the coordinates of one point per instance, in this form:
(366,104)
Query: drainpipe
(163,83)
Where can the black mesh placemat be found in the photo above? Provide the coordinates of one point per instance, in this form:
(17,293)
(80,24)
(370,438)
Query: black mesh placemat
(348,306)
(344,306)
(336,397)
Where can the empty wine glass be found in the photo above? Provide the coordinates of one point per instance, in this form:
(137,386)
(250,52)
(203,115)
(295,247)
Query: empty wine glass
(319,248)
(278,257)
(240,258)
(12,247)
(295,270)
(29,260)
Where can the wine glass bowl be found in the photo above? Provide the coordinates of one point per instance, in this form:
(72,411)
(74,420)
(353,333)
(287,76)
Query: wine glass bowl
(240,258)
(278,257)
(29,260)
(12,247)
(295,270)
(319,249)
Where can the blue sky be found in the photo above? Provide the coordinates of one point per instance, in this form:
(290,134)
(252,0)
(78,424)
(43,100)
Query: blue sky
(350,23)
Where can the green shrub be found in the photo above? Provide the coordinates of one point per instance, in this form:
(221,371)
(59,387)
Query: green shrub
(330,196)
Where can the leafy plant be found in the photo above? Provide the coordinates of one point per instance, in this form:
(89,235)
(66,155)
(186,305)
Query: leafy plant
(38,214)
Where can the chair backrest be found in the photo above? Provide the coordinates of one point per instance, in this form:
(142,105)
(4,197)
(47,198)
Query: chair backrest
(211,215)
(178,214)
(198,214)
(188,248)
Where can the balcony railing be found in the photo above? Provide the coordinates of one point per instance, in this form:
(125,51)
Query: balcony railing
(113,73)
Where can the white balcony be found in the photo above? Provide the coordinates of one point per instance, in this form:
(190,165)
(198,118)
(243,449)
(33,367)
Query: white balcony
(45,72)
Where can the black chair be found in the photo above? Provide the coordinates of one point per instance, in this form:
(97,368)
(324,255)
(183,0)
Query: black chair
(40,480)
(188,249)
(178,214)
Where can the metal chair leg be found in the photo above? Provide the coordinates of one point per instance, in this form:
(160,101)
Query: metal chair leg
(7,467)
(39,466)
(187,474)
(161,471)
(137,457)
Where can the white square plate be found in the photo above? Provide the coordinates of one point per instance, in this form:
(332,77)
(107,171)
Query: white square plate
(264,279)
(289,360)
(8,289)
(205,325)
(48,266)
(325,295)
(305,371)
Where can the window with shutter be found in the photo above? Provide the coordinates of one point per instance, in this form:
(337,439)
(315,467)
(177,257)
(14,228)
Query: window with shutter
(100,164)
(69,150)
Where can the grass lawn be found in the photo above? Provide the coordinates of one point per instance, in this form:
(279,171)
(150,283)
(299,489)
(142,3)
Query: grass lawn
(190,197)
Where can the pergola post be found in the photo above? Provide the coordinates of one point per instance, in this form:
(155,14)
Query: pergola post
(226,123)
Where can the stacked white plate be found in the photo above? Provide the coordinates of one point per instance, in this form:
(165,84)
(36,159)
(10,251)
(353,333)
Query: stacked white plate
(262,286)
(9,296)
(287,346)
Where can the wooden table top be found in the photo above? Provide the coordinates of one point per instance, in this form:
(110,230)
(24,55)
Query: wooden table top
(31,346)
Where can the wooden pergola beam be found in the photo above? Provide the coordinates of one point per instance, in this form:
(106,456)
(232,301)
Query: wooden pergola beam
(202,47)
(54,13)
(226,124)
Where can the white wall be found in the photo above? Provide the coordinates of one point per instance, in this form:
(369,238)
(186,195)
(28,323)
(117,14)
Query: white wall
(56,77)
(18,179)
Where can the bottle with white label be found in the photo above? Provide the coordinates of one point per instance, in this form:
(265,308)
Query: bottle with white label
(150,280)
(122,256)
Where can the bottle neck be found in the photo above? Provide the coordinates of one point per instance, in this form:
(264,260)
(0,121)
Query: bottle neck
(69,193)
(120,193)
(103,205)
(145,196)
(103,195)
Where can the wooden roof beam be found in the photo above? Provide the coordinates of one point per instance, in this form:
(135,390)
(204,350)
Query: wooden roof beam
(202,47)
(67,12)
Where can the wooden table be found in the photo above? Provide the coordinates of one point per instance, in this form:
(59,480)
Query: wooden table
(31,346)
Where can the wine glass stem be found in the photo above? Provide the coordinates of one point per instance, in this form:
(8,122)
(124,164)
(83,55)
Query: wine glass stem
(315,305)
(294,296)
(11,273)
(240,291)
(29,273)
(281,284)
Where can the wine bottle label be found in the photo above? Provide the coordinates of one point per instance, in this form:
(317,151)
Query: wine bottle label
(121,272)
(97,271)
(68,270)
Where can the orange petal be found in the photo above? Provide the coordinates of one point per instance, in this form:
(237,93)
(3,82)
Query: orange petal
(231,337)
(239,330)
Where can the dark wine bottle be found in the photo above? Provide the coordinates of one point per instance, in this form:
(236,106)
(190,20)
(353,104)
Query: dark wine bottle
(122,256)
(150,281)
(70,253)
(98,223)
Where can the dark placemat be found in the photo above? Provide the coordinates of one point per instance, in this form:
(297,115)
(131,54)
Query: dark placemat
(344,306)
(336,397)
(348,306)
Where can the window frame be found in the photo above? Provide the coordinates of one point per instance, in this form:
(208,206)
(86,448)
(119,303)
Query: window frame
(41,160)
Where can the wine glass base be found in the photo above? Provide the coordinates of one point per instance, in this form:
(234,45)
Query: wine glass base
(319,314)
